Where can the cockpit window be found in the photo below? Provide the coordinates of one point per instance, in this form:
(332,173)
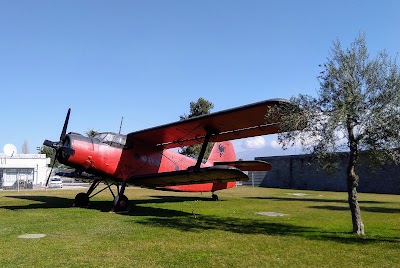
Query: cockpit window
(100,136)
(113,139)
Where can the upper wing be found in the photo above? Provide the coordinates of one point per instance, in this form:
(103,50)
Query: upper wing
(241,122)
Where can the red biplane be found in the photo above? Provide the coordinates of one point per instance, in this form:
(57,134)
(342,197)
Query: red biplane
(142,158)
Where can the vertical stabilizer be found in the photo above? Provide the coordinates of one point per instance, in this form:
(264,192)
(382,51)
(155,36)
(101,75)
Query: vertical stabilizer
(222,151)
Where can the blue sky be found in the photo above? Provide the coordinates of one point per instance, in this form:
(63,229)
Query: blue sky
(147,60)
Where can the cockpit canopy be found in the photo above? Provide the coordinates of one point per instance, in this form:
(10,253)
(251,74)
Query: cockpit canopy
(113,139)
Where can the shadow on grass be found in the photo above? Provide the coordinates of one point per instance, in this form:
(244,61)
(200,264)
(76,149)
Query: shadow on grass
(45,202)
(319,200)
(136,208)
(363,208)
(335,208)
(200,223)
(196,223)
(188,222)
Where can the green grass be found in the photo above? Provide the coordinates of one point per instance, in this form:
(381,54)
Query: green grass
(166,229)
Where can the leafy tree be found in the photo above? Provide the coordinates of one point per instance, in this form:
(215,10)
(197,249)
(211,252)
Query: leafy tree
(50,153)
(200,107)
(91,133)
(357,109)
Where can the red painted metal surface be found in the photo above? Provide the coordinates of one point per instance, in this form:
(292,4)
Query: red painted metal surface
(144,153)
(236,123)
(111,162)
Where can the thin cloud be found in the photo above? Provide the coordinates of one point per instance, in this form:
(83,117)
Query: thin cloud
(275,145)
(254,143)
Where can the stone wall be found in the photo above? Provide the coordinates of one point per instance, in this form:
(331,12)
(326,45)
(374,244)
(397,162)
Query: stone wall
(302,172)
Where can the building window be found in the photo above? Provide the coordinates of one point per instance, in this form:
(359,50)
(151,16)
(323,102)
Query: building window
(12,178)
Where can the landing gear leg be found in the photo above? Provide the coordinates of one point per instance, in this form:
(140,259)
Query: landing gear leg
(82,199)
(121,202)
(214,197)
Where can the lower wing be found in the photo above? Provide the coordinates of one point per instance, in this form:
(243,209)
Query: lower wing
(215,174)
(254,165)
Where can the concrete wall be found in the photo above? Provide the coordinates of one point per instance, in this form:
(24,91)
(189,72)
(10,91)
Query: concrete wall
(302,172)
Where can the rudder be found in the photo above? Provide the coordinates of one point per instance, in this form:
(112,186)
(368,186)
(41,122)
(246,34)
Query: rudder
(222,151)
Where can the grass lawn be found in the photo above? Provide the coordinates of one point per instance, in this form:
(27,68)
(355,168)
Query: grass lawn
(167,229)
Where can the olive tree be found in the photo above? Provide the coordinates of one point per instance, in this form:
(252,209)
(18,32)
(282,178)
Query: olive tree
(357,109)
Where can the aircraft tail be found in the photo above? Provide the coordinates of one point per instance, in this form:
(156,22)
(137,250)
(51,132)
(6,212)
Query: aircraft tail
(223,154)
(222,151)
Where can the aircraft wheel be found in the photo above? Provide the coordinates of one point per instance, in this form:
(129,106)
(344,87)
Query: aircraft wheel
(121,203)
(214,197)
(81,200)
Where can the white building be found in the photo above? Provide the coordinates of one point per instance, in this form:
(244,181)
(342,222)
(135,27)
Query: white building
(23,171)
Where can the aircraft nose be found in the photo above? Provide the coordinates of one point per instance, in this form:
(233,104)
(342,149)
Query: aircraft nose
(51,144)
(66,148)
(62,151)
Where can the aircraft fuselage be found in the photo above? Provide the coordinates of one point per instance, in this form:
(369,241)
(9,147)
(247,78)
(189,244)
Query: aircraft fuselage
(108,155)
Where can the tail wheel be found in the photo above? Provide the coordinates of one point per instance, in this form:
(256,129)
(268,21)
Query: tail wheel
(214,197)
(81,200)
(121,203)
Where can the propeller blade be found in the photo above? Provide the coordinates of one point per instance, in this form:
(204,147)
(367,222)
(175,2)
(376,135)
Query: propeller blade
(51,170)
(58,146)
(64,131)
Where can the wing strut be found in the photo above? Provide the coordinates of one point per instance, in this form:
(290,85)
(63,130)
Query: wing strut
(207,137)
(203,149)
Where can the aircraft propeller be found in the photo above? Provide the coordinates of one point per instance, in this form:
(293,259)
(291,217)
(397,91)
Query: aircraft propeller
(59,145)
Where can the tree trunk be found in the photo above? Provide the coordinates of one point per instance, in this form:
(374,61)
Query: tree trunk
(352,183)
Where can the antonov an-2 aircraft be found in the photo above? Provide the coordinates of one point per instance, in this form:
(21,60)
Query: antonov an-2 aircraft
(143,158)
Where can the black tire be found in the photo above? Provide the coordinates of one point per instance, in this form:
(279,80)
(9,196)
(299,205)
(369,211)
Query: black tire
(121,203)
(214,197)
(81,200)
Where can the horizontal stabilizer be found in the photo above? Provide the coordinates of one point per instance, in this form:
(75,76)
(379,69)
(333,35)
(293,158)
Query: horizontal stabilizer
(254,165)
(215,174)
